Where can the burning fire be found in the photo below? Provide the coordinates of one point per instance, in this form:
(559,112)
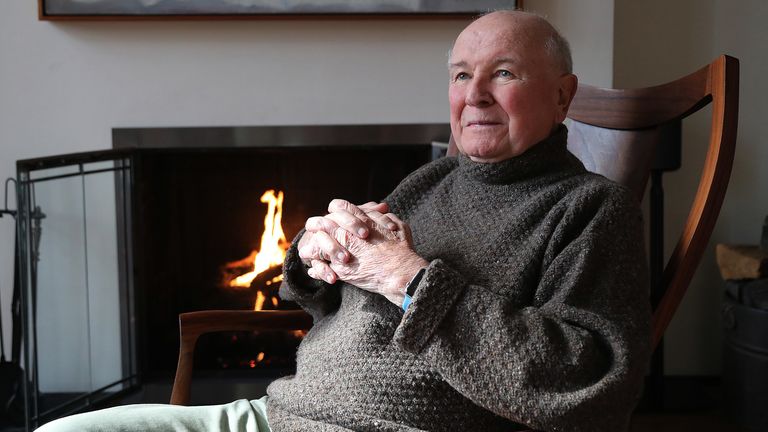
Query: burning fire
(261,299)
(271,252)
(260,271)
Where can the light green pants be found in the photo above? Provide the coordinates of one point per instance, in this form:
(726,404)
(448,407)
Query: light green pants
(238,416)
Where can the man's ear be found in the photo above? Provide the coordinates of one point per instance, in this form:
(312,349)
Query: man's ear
(568,83)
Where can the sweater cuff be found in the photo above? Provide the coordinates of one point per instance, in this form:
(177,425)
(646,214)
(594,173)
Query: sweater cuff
(435,296)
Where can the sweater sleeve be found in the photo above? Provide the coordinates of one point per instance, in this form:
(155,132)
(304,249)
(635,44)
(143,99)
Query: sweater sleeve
(316,297)
(575,357)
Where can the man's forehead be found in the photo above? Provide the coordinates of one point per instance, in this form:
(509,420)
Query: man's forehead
(500,34)
(514,35)
(490,46)
(491,34)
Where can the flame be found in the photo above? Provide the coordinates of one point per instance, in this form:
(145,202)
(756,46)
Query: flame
(261,299)
(273,245)
(259,305)
(258,359)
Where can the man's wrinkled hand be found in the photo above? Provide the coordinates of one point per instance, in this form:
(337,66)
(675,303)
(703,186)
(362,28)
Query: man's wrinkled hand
(323,240)
(382,263)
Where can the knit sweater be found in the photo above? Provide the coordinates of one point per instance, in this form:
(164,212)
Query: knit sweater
(532,313)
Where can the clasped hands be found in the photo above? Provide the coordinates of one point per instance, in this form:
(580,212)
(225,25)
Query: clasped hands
(363,245)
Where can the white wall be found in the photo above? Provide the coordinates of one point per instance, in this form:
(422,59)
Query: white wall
(588,26)
(740,31)
(657,41)
(64,86)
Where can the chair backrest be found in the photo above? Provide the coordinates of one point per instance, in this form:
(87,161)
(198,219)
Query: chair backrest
(616,133)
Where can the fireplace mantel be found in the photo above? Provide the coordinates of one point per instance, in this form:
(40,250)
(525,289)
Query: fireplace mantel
(283,136)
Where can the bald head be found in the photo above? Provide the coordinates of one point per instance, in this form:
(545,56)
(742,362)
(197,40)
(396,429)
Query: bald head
(530,28)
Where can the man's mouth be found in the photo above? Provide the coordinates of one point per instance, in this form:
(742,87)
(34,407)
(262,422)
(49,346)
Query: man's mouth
(482,123)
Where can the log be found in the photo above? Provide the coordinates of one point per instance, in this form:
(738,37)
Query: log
(741,262)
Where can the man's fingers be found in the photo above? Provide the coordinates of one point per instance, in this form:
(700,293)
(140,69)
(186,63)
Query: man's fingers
(393,217)
(338,204)
(402,226)
(356,224)
(349,223)
(321,223)
(323,247)
(337,227)
(383,220)
(380,207)
(321,270)
(370,211)
(362,209)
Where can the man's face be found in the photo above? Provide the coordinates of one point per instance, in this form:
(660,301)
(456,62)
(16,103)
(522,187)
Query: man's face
(505,92)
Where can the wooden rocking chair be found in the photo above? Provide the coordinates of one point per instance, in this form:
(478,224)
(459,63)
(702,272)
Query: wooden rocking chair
(615,133)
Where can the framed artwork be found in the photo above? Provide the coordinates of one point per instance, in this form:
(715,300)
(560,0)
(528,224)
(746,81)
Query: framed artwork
(244,9)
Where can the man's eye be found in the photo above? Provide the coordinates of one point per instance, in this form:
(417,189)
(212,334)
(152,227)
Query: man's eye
(504,74)
(461,76)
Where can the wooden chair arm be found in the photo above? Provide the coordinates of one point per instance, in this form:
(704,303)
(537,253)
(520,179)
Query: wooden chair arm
(194,324)
(722,81)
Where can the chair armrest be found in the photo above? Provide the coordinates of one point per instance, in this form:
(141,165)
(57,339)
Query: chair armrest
(194,324)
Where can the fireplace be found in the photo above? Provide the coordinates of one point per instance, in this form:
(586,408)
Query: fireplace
(201,209)
(188,208)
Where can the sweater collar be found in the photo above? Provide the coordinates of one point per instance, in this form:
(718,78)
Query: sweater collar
(548,156)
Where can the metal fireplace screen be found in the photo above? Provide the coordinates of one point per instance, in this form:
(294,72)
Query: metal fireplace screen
(74,227)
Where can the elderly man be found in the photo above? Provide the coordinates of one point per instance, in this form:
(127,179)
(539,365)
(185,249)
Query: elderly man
(524,280)
(504,289)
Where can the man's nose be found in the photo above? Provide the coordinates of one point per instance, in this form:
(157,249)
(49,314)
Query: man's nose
(478,94)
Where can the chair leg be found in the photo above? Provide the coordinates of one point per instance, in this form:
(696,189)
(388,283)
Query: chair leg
(183,382)
(194,324)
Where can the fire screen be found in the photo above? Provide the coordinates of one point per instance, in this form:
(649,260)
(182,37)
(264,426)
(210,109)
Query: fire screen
(74,227)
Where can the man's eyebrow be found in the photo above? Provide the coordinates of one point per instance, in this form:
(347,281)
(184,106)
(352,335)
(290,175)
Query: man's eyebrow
(460,64)
(496,61)
(499,60)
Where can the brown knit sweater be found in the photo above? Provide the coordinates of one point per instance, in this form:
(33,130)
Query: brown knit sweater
(533,310)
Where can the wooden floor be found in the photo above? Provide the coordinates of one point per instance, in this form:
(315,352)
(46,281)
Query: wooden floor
(695,422)
(688,404)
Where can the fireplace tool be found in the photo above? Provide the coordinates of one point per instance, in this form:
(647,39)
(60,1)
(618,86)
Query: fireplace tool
(11,374)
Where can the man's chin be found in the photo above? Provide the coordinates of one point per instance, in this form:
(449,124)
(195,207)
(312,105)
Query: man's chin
(485,157)
(484,153)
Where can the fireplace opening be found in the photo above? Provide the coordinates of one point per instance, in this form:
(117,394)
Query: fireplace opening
(200,218)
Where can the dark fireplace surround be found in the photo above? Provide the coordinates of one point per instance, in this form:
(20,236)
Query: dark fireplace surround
(196,206)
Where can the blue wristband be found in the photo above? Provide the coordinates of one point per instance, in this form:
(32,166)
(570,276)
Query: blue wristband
(406,302)
(410,289)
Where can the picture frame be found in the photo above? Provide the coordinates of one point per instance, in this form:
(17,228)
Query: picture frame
(263,9)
